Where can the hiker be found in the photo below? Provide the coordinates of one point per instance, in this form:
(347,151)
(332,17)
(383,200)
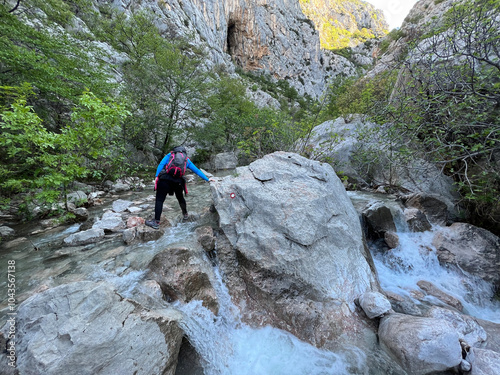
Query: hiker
(170,180)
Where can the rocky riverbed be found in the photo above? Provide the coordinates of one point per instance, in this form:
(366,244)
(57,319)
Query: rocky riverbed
(278,270)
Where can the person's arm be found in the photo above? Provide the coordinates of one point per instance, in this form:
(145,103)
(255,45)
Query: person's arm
(162,164)
(191,166)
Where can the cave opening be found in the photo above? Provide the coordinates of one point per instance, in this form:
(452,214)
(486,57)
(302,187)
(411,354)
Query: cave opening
(231,42)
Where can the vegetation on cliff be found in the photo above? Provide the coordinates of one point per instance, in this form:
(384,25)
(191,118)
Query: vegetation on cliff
(73,105)
(442,104)
(344,23)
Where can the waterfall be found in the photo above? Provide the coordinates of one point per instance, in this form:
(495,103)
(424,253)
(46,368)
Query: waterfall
(227,346)
(415,259)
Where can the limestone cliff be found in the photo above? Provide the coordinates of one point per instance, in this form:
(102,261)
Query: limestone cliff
(344,23)
(274,37)
(424,16)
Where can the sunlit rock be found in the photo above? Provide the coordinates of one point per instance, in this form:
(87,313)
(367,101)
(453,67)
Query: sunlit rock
(92,235)
(473,249)
(183,276)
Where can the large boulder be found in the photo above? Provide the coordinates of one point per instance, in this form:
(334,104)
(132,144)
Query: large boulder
(466,326)
(421,345)
(226,160)
(356,147)
(433,207)
(6,232)
(86,327)
(473,249)
(292,247)
(484,362)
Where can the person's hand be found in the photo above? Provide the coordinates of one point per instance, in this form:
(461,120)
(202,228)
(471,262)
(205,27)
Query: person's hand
(156,183)
(211,179)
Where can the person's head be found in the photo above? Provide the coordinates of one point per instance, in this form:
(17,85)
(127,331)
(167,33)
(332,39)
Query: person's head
(180,149)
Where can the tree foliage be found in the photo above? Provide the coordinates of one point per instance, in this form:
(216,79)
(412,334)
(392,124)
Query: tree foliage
(55,128)
(165,81)
(444,106)
(58,67)
(43,163)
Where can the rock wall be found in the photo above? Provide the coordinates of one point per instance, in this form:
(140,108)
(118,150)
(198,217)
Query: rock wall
(344,23)
(274,37)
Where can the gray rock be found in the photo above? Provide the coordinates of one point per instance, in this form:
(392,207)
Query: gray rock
(85,237)
(391,239)
(374,304)
(473,249)
(182,276)
(6,232)
(421,345)
(378,218)
(484,362)
(434,208)
(130,235)
(294,251)
(354,146)
(120,187)
(78,198)
(493,334)
(146,234)
(121,205)
(467,327)
(416,220)
(206,237)
(227,160)
(434,291)
(110,222)
(134,210)
(87,328)
(81,214)
(87,189)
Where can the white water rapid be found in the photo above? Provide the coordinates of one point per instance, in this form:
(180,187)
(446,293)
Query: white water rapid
(228,346)
(415,259)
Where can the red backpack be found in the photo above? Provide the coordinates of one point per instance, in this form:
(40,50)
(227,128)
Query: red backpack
(176,167)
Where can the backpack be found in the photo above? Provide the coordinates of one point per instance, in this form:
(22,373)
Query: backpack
(176,167)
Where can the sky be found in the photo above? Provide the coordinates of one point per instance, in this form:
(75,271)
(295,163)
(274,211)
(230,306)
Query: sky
(395,11)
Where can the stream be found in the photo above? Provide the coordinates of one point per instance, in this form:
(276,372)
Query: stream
(226,345)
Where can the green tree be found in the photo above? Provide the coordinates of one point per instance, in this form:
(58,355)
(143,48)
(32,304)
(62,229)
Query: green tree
(58,66)
(165,81)
(43,163)
(230,112)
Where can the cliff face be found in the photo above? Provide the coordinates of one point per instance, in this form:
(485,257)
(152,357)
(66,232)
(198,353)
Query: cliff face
(258,35)
(344,23)
(425,15)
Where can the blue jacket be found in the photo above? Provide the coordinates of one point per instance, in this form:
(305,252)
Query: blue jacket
(189,165)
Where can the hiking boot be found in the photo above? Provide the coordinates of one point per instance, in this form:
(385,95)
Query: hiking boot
(185,216)
(153,224)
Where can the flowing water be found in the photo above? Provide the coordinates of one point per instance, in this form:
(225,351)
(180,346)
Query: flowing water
(416,259)
(224,343)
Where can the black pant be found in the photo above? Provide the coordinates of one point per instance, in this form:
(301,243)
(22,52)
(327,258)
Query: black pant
(169,187)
